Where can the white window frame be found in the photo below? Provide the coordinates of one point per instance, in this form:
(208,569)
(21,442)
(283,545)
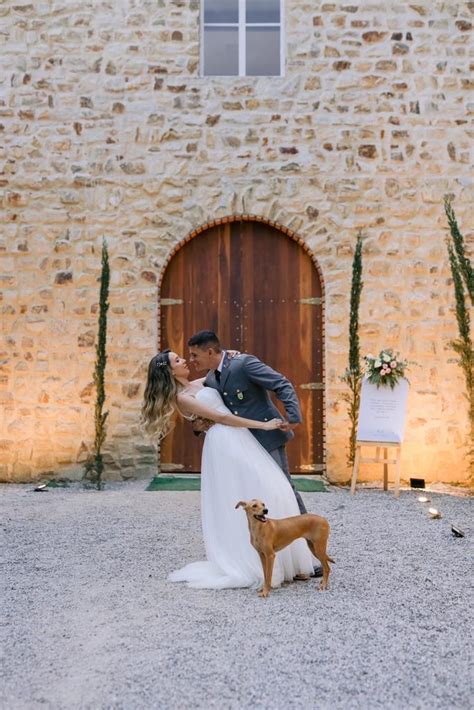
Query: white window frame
(242,40)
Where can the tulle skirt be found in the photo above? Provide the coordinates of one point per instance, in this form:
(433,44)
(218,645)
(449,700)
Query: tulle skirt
(236,467)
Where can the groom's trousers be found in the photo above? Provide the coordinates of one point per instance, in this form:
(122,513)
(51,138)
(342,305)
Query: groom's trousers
(279,455)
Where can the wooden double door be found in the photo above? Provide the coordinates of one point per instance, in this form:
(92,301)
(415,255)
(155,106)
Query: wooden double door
(259,290)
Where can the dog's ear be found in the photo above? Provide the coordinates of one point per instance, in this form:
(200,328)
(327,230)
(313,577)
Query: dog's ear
(241,503)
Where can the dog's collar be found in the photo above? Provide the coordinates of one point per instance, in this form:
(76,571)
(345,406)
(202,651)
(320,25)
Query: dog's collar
(262,518)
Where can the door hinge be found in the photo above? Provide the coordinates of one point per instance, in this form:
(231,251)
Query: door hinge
(314,301)
(171,302)
(313,386)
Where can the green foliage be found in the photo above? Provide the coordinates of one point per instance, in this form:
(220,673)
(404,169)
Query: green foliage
(353,375)
(463,262)
(462,314)
(356,290)
(354,383)
(94,467)
(461,271)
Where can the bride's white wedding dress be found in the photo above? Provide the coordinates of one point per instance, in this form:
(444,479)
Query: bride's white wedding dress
(236,467)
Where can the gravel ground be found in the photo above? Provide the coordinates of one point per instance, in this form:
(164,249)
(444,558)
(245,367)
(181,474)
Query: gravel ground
(90,621)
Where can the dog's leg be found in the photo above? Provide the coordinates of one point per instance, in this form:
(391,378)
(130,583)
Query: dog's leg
(268,571)
(318,548)
(263,561)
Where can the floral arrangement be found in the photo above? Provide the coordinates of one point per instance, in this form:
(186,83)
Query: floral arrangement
(385,369)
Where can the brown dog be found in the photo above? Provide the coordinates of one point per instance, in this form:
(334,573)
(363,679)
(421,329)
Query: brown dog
(269,536)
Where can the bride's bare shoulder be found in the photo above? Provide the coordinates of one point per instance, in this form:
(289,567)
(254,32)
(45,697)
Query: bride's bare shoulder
(184,402)
(192,389)
(185,396)
(200,381)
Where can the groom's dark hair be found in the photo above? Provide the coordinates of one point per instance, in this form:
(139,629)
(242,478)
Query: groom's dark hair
(205,339)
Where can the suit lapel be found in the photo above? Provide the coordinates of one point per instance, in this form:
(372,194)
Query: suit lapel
(210,380)
(225,371)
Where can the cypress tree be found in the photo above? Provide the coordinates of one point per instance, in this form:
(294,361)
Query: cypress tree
(463,263)
(95,465)
(353,374)
(463,344)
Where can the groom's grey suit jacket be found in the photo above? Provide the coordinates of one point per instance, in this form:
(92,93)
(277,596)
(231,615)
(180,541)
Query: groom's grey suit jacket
(244,386)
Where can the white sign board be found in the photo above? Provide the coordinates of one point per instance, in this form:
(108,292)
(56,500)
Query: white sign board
(382,412)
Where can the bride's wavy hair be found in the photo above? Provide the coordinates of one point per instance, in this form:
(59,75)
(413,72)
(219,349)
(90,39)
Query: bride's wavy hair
(159,399)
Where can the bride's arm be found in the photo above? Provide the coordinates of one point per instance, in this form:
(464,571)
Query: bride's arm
(190,405)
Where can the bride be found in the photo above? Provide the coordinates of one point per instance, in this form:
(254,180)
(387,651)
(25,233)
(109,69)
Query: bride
(234,467)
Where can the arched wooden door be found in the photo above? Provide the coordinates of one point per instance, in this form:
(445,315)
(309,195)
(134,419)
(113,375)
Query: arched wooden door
(259,290)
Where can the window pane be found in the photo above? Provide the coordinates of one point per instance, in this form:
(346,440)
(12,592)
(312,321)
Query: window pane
(263,10)
(263,51)
(221,51)
(221,11)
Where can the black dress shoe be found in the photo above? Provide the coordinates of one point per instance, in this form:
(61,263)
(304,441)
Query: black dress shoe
(317,572)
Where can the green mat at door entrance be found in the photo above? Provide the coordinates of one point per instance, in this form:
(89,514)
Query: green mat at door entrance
(183,483)
(174,483)
(309,485)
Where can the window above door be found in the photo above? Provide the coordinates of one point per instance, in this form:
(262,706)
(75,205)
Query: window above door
(242,38)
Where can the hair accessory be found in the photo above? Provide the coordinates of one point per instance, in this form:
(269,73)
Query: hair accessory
(162,364)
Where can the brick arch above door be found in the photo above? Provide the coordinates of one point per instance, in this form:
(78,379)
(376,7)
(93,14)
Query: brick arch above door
(243,218)
(260,287)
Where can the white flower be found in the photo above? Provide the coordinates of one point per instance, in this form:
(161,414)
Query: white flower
(386,358)
(369,357)
(378,363)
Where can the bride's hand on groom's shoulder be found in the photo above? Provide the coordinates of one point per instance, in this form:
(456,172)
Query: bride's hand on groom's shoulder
(233,353)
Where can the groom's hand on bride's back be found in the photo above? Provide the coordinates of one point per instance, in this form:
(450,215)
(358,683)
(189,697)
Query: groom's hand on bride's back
(286,426)
(201,425)
(273,424)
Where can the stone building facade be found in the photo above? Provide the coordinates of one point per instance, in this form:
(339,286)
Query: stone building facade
(108,128)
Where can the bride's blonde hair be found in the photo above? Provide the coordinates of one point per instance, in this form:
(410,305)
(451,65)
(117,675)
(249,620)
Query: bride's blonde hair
(159,400)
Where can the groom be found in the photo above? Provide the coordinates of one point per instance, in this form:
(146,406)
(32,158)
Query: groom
(243,382)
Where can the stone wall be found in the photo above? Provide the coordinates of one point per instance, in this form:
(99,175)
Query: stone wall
(107,129)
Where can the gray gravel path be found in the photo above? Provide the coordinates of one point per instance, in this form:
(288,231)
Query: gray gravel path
(89,620)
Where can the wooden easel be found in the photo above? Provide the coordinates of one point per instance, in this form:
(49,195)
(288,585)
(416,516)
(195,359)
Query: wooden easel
(385,460)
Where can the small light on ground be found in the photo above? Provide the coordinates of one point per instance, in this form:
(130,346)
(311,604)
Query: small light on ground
(434,513)
(41,487)
(457,532)
(423,499)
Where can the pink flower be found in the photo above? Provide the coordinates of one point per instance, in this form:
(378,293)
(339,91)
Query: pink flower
(393,364)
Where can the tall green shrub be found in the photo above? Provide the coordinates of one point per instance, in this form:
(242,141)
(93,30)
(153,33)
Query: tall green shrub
(353,375)
(463,262)
(95,465)
(461,271)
